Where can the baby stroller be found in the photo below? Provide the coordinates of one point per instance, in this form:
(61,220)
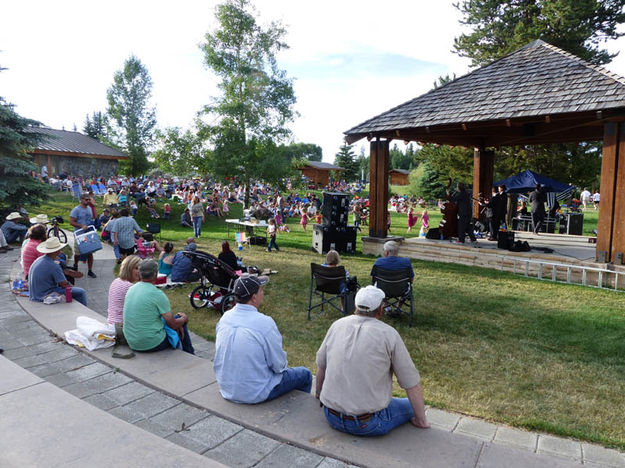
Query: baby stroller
(217,282)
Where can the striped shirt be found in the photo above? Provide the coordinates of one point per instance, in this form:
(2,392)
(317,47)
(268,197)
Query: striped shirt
(30,254)
(117,295)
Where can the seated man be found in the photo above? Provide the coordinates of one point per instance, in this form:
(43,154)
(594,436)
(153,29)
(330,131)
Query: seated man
(12,230)
(182,270)
(185,218)
(355,366)
(250,364)
(390,260)
(46,275)
(147,311)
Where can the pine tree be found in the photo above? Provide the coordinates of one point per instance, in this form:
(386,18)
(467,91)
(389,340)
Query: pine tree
(17,185)
(95,127)
(346,159)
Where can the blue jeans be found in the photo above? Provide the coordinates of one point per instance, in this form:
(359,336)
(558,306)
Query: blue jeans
(293,378)
(272,243)
(197,226)
(395,414)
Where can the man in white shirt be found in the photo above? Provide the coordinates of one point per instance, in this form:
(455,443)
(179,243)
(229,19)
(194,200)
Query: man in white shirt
(585,197)
(355,367)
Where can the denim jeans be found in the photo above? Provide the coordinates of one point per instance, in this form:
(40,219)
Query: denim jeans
(272,243)
(395,414)
(197,226)
(293,378)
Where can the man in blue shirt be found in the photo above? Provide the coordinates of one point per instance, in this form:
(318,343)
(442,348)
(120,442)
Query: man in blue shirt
(390,260)
(250,364)
(46,275)
(81,217)
(181,266)
(12,230)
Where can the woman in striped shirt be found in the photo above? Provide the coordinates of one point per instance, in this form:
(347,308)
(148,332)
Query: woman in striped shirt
(128,275)
(36,235)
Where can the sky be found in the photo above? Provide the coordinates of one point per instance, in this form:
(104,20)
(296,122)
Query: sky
(349,59)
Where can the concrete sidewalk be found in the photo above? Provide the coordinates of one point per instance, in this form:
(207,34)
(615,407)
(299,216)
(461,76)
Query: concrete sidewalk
(296,418)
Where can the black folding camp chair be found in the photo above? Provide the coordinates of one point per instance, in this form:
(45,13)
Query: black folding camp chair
(397,287)
(154,228)
(325,283)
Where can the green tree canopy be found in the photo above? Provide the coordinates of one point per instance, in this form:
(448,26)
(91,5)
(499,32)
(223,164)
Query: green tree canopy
(95,126)
(498,27)
(180,152)
(250,115)
(307,151)
(131,118)
(426,182)
(399,159)
(17,186)
(346,159)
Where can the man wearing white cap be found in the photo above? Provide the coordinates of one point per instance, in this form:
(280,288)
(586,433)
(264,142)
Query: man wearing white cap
(250,364)
(46,275)
(13,231)
(355,366)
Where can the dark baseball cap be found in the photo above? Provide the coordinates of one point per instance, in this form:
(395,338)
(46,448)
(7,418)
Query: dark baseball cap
(248,285)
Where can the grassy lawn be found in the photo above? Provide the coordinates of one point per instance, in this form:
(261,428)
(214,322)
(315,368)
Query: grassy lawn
(532,354)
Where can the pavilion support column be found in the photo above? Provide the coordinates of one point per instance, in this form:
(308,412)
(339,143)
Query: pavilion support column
(483,168)
(378,188)
(611,224)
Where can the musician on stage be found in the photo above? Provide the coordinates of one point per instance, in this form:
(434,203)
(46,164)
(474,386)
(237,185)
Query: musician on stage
(463,200)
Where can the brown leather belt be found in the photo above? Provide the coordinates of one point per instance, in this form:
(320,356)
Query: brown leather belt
(361,417)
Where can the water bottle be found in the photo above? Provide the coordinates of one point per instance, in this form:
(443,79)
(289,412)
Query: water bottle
(240,246)
(68,294)
(14,286)
(20,284)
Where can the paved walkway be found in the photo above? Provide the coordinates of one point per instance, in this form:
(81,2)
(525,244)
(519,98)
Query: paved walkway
(174,395)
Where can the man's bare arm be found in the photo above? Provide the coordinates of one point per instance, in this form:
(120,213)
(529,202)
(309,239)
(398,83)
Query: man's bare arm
(319,378)
(415,395)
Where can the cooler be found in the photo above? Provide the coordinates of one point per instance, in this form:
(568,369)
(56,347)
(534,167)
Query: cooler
(87,240)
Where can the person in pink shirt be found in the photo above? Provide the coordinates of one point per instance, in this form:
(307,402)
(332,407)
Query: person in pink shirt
(36,235)
(412,219)
(128,275)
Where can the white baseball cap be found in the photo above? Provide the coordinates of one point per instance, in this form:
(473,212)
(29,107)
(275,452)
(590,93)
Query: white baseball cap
(369,298)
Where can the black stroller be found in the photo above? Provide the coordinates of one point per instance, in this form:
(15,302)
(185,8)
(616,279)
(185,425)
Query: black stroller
(217,288)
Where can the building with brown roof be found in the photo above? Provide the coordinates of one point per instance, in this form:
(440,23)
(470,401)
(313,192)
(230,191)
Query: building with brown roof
(399,176)
(319,172)
(73,153)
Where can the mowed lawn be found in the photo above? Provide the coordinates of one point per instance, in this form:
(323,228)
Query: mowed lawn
(533,354)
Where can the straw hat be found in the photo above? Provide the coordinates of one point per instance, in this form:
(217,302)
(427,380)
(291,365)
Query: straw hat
(40,219)
(53,244)
(14,215)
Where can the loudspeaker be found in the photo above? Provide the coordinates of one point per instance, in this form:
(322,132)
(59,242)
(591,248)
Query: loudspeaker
(505,240)
(335,209)
(575,223)
(341,239)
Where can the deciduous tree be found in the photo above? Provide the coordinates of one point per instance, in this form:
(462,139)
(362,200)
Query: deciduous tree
(250,115)
(132,119)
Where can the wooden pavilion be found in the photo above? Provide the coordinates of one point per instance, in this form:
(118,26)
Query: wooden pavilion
(538,94)
(319,172)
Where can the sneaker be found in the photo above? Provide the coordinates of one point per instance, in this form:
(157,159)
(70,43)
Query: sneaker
(91,274)
(9,248)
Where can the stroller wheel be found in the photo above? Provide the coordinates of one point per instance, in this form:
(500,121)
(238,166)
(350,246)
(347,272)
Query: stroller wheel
(227,303)
(200,296)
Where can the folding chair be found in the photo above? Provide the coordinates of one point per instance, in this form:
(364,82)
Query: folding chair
(241,238)
(326,280)
(154,228)
(397,287)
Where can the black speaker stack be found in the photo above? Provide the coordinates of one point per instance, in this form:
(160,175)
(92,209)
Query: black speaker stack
(334,233)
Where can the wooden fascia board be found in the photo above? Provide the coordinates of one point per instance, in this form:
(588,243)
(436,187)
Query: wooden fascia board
(76,155)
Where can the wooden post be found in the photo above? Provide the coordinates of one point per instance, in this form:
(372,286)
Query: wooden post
(609,165)
(483,166)
(378,188)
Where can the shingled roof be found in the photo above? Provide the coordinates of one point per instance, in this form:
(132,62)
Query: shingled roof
(324,165)
(73,143)
(539,93)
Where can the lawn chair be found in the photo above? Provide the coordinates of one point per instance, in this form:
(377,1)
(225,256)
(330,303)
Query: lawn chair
(326,280)
(241,238)
(154,228)
(144,250)
(397,287)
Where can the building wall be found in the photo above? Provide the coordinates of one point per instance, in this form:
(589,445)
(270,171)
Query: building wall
(398,178)
(78,166)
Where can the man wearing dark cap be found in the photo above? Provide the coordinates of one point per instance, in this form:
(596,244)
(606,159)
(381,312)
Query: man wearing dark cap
(145,309)
(181,266)
(355,366)
(250,364)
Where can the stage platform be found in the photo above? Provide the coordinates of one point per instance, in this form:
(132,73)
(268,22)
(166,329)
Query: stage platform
(572,258)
